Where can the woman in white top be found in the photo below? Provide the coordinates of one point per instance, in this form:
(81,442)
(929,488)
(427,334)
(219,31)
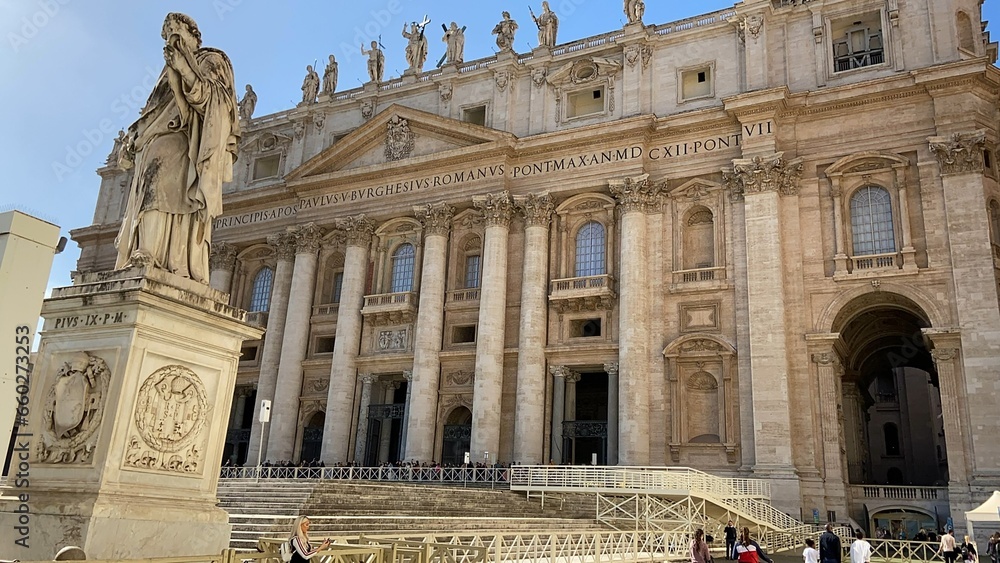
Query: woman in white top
(861,551)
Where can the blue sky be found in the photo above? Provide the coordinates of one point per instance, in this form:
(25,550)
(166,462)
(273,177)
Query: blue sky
(76,71)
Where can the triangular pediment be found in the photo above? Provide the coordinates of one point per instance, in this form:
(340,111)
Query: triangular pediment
(695,189)
(396,136)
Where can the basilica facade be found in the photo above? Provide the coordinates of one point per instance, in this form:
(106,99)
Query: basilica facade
(763,241)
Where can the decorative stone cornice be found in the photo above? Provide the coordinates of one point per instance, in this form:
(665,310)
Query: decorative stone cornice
(496,208)
(959,153)
(283,244)
(536,208)
(764,174)
(358,230)
(222,256)
(636,193)
(436,219)
(308,238)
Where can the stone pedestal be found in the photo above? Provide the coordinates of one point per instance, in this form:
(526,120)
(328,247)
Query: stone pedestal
(129,400)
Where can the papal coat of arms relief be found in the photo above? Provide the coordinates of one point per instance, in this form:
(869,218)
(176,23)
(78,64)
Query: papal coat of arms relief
(74,407)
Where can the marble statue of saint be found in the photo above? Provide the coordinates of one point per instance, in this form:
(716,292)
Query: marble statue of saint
(116,149)
(248,103)
(376,62)
(634,9)
(505,32)
(181,150)
(330,77)
(454,37)
(548,25)
(310,86)
(416,47)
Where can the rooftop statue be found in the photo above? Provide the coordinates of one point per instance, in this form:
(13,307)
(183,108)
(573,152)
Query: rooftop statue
(455,38)
(376,62)
(548,26)
(505,32)
(330,77)
(634,9)
(310,86)
(181,149)
(248,103)
(416,47)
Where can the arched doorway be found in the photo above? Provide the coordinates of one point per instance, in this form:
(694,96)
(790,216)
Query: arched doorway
(457,436)
(312,438)
(892,418)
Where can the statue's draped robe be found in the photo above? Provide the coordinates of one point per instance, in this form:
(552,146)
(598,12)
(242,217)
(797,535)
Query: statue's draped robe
(184,152)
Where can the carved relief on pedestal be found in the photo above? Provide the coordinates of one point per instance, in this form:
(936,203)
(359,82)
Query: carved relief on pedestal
(170,416)
(74,407)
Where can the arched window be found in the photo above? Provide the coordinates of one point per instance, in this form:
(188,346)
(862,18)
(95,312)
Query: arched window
(871,222)
(699,240)
(966,39)
(260,297)
(590,250)
(995,222)
(891,433)
(402,268)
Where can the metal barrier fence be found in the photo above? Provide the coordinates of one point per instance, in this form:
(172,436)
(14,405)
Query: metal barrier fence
(486,476)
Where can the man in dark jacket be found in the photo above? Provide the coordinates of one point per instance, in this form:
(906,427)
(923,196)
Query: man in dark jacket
(829,546)
(731,534)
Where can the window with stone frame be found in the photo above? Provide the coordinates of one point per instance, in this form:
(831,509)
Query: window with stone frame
(891,434)
(699,239)
(403,259)
(591,250)
(857,41)
(260,295)
(473,268)
(266,166)
(872,228)
(966,35)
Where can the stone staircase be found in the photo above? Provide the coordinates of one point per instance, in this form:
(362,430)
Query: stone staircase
(267,509)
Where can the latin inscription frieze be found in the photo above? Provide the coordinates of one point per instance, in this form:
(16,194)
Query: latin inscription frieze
(89,319)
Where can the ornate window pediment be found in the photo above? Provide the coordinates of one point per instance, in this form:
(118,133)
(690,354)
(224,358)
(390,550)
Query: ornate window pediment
(584,88)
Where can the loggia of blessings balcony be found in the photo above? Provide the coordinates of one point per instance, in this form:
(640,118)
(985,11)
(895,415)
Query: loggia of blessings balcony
(391,307)
(590,292)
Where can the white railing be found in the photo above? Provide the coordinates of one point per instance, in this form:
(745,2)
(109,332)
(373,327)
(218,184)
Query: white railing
(463,295)
(699,275)
(326,309)
(588,42)
(899,493)
(877,262)
(485,475)
(630,479)
(585,283)
(691,23)
(390,299)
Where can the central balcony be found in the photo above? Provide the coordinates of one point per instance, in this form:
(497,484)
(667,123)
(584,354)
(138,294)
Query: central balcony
(588,293)
(390,308)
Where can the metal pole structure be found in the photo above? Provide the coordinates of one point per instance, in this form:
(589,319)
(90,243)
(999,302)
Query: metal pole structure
(265,417)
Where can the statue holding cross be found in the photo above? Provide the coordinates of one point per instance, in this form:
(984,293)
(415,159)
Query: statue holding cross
(416,48)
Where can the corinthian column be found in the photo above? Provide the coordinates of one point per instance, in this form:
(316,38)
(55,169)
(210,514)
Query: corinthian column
(611,368)
(635,197)
(529,417)
(361,443)
(358,232)
(829,372)
(422,393)
(496,209)
(284,247)
(760,181)
(221,261)
(559,374)
(285,411)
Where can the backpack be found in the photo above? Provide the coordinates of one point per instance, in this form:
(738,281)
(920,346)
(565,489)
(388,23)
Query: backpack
(286,551)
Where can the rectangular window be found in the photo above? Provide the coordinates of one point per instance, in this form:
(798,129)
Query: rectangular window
(472,271)
(338,285)
(463,334)
(697,83)
(585,328)
(248,353)
(324,344)
(475,115)
(857,42)
(266,167)
(585,102)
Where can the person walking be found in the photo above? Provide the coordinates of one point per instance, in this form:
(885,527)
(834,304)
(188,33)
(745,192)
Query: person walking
(302,550)
(861,550)
(948,547)
(993,546)
(699,549)
(968,551)
(731,534)
(810,554)
(749,551)
(829,546)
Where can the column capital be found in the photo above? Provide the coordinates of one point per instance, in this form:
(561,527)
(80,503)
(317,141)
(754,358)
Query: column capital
(497,208)
(537,209)
(635,193)
(611,368)
(358,230)
(307,238)
(572,377)
(283,244)
(436,218)
(367,378)
(559,371)
(944,355)
(222,256)
(408,375)
(959,153)
(829,360)
(763,174)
